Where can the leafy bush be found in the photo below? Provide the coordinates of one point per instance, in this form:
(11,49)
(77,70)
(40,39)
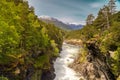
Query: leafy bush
(3,78)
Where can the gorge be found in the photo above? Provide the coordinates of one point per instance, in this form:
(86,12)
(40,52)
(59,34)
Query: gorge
(59,47)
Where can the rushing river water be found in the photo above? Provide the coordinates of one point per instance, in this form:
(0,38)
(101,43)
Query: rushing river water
(67,56)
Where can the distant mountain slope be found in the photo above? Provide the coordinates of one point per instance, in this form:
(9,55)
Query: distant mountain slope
(75,26)
(60,24)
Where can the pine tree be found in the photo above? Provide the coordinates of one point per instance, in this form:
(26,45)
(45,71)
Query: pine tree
(112,6)
(90,19)
(105,12)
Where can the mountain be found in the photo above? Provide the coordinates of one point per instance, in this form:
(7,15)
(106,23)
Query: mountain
(60,24)
(75,26)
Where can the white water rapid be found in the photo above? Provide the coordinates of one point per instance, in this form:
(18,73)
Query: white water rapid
(67,56)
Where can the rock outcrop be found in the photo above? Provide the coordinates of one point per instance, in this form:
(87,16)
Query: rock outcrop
(74,41)
(95,66)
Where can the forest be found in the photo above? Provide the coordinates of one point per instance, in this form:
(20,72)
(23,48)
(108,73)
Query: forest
(27,45)
(104,33)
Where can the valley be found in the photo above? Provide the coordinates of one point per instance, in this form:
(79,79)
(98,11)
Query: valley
(48,40)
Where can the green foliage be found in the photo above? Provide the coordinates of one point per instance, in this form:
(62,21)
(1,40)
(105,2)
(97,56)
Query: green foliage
(55,34)
(24,39)
(54,47)
(3,78)
(116,65)
(110,40)
(42,62)
(83,54)
(106,38)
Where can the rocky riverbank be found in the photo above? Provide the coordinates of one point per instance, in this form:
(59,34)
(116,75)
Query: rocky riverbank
(94,65)
(74,42)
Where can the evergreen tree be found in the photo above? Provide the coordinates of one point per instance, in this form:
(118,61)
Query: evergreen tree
(90,19)
(112,6)
(105,12)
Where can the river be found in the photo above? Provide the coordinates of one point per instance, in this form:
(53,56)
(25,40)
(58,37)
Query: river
(67,56)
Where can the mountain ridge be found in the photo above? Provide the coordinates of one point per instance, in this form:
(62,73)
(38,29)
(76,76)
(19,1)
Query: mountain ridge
(60,24)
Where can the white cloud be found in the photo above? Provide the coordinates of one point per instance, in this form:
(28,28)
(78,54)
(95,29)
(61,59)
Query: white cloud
(96,5)
(71,21)
(81,22)
(66,19)
(45,17)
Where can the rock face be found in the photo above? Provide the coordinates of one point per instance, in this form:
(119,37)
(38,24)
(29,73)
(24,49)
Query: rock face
(99,60)
(95,67)
(88,70)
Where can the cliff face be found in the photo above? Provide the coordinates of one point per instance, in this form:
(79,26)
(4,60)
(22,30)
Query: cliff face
(99,60)
(95,65)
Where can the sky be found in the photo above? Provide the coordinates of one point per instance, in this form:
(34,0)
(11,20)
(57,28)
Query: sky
(69,11)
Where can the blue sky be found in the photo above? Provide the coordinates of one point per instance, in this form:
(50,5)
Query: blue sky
(69,11)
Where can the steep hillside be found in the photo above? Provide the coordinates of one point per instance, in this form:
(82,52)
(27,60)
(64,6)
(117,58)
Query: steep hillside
(27,45)
(101,41)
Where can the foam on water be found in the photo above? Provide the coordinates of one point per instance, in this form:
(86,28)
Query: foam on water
(67,56)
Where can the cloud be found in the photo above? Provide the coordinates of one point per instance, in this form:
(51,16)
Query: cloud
(66,19)
(71,20)
(72,11)
(96,5)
